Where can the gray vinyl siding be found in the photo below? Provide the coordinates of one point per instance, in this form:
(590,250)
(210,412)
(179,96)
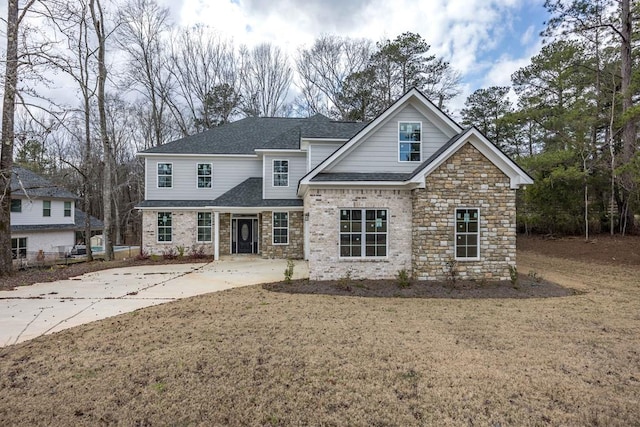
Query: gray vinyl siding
(379,151)
(318,151)
(227,173)
(297,169)
(32,213)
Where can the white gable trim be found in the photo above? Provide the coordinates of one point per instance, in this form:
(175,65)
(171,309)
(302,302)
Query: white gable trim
(516,175)
(396,106)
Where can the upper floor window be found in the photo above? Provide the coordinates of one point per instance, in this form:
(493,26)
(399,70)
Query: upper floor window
(467,233)
(67,208)
(205,173)
(16,205)
(410,141)
(281,173)
(165,175)
(46,208)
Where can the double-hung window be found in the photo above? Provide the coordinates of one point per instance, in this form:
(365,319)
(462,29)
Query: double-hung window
(165,175)
(204,226)
(16,205)
(409,141)
(281,173)
(67,209)
(467,234)
(164,227)
(46,208)
(280,228)
(363,232)
(205,174)
(19,247)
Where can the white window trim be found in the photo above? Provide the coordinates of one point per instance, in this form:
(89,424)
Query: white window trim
(198,227)
(50,208)
(26,243)
(273,172)
(273,227)
(455,235)
(64,209)
(198,176)
(158,226)
(363,244)
(400,142)
(158,175)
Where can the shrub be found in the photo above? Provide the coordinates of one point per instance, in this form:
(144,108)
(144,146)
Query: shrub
(288,272)
(197,252)
(452,271)
(513,274)
(181,250)
(344,283)
(403,278)
(169,253)
(143,255)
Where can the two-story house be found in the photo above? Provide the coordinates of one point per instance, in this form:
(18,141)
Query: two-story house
(44,219)
(410,190)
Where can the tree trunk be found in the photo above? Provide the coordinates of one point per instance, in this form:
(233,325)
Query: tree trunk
(629,129)
(6,157)
(107,190)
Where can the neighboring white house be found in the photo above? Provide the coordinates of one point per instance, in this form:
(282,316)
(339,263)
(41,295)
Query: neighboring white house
(410,190)
(44,219)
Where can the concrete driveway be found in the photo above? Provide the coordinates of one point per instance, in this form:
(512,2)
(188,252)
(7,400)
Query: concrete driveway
(30,311)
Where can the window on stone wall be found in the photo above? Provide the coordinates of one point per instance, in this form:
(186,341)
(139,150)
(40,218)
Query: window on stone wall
(280,228)
(467,234)
(19,247)
(363,232)
(164,227)
(204,226)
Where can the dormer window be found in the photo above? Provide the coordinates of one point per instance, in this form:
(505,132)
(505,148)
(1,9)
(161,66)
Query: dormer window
(409,141)
(280,173)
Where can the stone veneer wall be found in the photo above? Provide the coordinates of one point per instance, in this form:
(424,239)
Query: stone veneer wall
(184,232)
(225,234)
(295,248)
(467,179)
(324,227)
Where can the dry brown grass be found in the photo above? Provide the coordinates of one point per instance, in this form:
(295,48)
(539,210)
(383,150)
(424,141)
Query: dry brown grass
(254,357)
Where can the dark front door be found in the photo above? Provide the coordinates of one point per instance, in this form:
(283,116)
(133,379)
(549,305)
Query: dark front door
(245,236)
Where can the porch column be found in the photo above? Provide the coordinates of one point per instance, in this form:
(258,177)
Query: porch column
(216,236)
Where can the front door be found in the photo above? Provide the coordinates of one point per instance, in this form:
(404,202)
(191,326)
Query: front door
(245,236)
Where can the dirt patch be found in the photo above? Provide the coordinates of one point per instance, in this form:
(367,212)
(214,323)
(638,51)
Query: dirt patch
(527,287)
(601,248)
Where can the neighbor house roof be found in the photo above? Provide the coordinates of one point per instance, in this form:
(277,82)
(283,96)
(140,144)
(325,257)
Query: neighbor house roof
(79,217)
(259,133)
(29,184)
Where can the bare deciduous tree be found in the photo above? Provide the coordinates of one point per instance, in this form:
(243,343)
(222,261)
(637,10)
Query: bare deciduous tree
(266,77)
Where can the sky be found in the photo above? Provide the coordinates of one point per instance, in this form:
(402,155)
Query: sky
(485,40)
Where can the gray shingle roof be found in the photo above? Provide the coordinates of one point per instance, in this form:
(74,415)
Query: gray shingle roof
(249,194)
(259,133)
(354,176)
(438,152)
(174,203)
(80,216)
(35,185)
